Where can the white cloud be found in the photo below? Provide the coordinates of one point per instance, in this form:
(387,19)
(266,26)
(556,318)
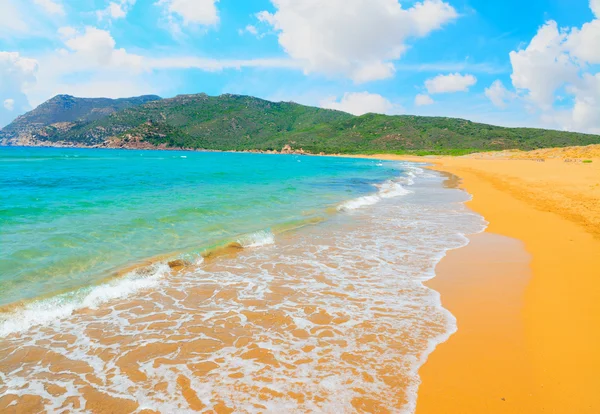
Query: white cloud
(67,31)
(498,94)
(595,6)
(51,7)
(190,12)
(423,100)
(585,114)
(373,71)
(562,62)
(253,30)
(358,39)
(16,71)
(451,83)
(95,47)
(16,74)
(9,104)
(116,10)
(360,103)
(584,44)
(543,66)
(11,19)
(90,64)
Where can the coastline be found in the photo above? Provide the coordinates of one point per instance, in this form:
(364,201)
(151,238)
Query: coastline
(524,292)
(243,324)
(552,209)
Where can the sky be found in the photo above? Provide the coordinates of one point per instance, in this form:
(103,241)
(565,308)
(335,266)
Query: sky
(533,63)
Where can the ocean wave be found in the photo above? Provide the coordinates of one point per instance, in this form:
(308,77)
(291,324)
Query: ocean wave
(257,239)
(359,202)
(47,311)
(389,189)
(365,279)
(61,306)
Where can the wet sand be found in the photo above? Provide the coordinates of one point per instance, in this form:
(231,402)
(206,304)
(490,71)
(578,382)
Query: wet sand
(332,318)
(489,275)
(524,344)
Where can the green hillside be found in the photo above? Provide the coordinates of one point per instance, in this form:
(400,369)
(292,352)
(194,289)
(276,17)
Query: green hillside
(233,122)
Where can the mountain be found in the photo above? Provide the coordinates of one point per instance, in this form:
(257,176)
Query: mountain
(62,111)
(234,122)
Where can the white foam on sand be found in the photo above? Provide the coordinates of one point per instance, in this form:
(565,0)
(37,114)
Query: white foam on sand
(257,239)
(368,273)
(48,311)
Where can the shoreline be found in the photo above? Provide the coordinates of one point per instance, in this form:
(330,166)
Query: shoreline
(483,336)
(178,260)
(551,209)
(324,307)
(532,275)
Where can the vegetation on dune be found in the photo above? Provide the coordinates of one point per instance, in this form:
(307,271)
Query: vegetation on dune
(233,122)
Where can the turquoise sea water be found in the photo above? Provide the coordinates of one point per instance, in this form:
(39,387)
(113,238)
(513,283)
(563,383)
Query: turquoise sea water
(325,308)
(72,217)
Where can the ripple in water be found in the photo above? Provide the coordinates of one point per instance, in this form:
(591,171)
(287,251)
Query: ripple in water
(330,318)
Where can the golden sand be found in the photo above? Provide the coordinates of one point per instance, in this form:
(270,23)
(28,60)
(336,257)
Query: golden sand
(547,358)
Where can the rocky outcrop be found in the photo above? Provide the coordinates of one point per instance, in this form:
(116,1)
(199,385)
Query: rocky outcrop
(287,149)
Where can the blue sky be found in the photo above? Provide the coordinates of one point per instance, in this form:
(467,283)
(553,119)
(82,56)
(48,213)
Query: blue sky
(515,63)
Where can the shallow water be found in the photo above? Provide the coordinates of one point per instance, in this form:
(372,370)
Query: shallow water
(69,217)
(331,317)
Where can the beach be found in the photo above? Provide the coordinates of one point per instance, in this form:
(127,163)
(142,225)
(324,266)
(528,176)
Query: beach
(235,292)
(526,293)
(381,293)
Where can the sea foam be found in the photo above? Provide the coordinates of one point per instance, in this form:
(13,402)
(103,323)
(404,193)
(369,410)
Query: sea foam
(47,311)
(257,239)
(329,315)
(389,189)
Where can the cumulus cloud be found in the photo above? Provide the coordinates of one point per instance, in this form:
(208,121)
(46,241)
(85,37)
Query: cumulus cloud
(584,44)
(190,12)
(360,103)
(498,94)
(562,61)
(595,6)
(423,100)
(543,65)
(451,83)
(51,7)
(16,74)
(358,39)
(95,47)
(116,10)
(9,104)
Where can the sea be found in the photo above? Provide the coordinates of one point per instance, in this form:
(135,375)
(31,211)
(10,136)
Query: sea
(177,281)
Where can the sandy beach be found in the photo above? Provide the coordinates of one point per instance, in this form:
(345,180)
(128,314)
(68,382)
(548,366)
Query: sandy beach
(526,293)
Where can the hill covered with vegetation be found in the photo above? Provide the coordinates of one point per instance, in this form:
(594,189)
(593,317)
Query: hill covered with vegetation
(64,110)
(233,122)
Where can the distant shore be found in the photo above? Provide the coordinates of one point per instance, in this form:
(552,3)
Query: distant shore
(526,293)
